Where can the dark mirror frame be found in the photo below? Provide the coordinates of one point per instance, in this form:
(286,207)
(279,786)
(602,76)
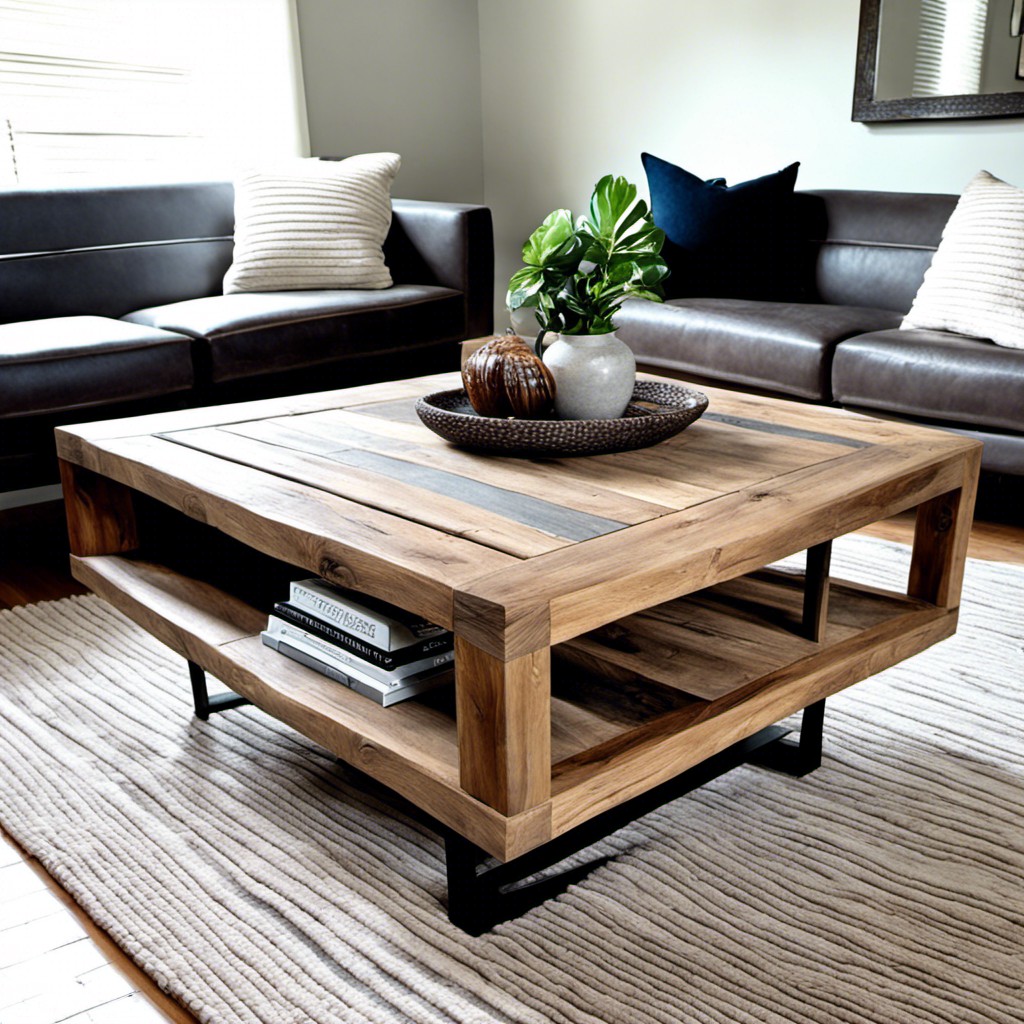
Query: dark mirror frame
(916,108)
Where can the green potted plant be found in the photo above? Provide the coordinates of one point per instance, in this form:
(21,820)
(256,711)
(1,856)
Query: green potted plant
(575,276)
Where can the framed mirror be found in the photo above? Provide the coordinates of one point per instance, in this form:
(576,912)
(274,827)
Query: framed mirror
(931,59)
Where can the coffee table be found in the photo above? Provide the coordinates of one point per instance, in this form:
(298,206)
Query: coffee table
(618,640)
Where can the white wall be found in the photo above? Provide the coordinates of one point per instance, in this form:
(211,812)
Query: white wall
(402,76)
(573,89)
(524,104)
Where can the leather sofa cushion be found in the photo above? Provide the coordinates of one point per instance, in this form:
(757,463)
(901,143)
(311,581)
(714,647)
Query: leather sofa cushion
(249,334)
(777,346)
(932,375)
(876,245)
(74,362)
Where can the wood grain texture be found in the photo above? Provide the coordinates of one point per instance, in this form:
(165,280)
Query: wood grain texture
(336,473)
(410,747)
(593,486)
(173,608)
(723,457)
(633,763)
(413,443)
(101,517)
(503,710)
(721,639)
(515,556)
(653,562)
(776,429)
(989,541)
(504,629)
(818,418)
(215,415)
(941,537)
(344,541)
(514,508)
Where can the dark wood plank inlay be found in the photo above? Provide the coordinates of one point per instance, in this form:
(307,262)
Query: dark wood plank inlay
(521,508)
(779,428)
(401,411)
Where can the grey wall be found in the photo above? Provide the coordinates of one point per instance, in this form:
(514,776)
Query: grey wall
(573,89)
(734,89)
(401,76)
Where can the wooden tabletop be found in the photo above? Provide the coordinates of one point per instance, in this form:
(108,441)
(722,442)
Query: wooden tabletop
(528,560)
(524,552)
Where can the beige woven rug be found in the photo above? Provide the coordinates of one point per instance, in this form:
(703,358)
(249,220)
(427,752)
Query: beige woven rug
(236,865)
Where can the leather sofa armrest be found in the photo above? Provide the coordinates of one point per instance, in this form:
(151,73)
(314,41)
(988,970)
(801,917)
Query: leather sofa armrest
(448,244)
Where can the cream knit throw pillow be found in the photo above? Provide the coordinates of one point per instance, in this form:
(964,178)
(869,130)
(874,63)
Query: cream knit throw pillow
(313,224)
(975,284)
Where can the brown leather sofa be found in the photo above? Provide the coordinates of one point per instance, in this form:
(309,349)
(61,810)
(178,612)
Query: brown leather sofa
(866,254)
(111,304)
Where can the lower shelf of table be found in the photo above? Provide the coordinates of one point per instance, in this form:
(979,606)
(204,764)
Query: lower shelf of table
(633,703)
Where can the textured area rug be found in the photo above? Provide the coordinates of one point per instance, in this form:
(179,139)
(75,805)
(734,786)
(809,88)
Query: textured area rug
(237,865)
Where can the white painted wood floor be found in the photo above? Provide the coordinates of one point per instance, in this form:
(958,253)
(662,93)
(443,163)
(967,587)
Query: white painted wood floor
(50,968)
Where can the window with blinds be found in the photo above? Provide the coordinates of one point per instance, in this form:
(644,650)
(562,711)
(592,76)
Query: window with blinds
(131,91)
(950,47)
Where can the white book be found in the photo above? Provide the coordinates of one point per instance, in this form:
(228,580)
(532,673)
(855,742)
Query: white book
(384,626)
(383,693)
(343,660)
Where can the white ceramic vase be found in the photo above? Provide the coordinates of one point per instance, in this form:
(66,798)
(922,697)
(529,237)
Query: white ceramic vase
(594,375)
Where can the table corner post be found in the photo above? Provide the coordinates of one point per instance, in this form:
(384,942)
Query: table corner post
(100,512)
(941,534)
(503,703)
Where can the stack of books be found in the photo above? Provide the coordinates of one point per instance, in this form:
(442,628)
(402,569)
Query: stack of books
(372,647)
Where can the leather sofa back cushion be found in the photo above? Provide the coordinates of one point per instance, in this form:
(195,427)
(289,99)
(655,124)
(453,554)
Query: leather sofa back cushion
(726,241)
(313,224)
(875,246)
(110,281)
(108,251)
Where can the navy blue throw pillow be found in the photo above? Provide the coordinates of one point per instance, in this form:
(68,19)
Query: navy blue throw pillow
(726,241)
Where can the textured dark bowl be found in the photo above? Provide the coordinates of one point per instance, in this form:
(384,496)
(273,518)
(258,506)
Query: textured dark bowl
(656,411)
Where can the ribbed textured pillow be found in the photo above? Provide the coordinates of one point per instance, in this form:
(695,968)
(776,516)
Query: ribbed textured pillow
(975,285)
(313,224)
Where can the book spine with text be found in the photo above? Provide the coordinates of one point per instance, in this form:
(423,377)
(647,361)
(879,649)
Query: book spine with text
(345,661)
(368,623)
(387,660)
(382,693)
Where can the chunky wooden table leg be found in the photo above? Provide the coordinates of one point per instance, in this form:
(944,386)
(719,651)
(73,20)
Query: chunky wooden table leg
(940,540)
(101,516)
(503,710)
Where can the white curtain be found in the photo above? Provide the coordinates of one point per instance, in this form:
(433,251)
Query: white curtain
(950,47)
(118,91)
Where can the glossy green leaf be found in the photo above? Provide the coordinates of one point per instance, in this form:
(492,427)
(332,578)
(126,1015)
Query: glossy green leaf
(577,273)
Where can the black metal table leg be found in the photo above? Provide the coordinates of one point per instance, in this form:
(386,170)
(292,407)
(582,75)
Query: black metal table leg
(800,757)
(204,703)
(816,580)
(483,892)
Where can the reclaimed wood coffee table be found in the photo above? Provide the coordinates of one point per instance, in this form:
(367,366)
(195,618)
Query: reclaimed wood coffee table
(618,640)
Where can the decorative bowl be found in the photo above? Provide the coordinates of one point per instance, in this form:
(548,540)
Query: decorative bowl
(657,411)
